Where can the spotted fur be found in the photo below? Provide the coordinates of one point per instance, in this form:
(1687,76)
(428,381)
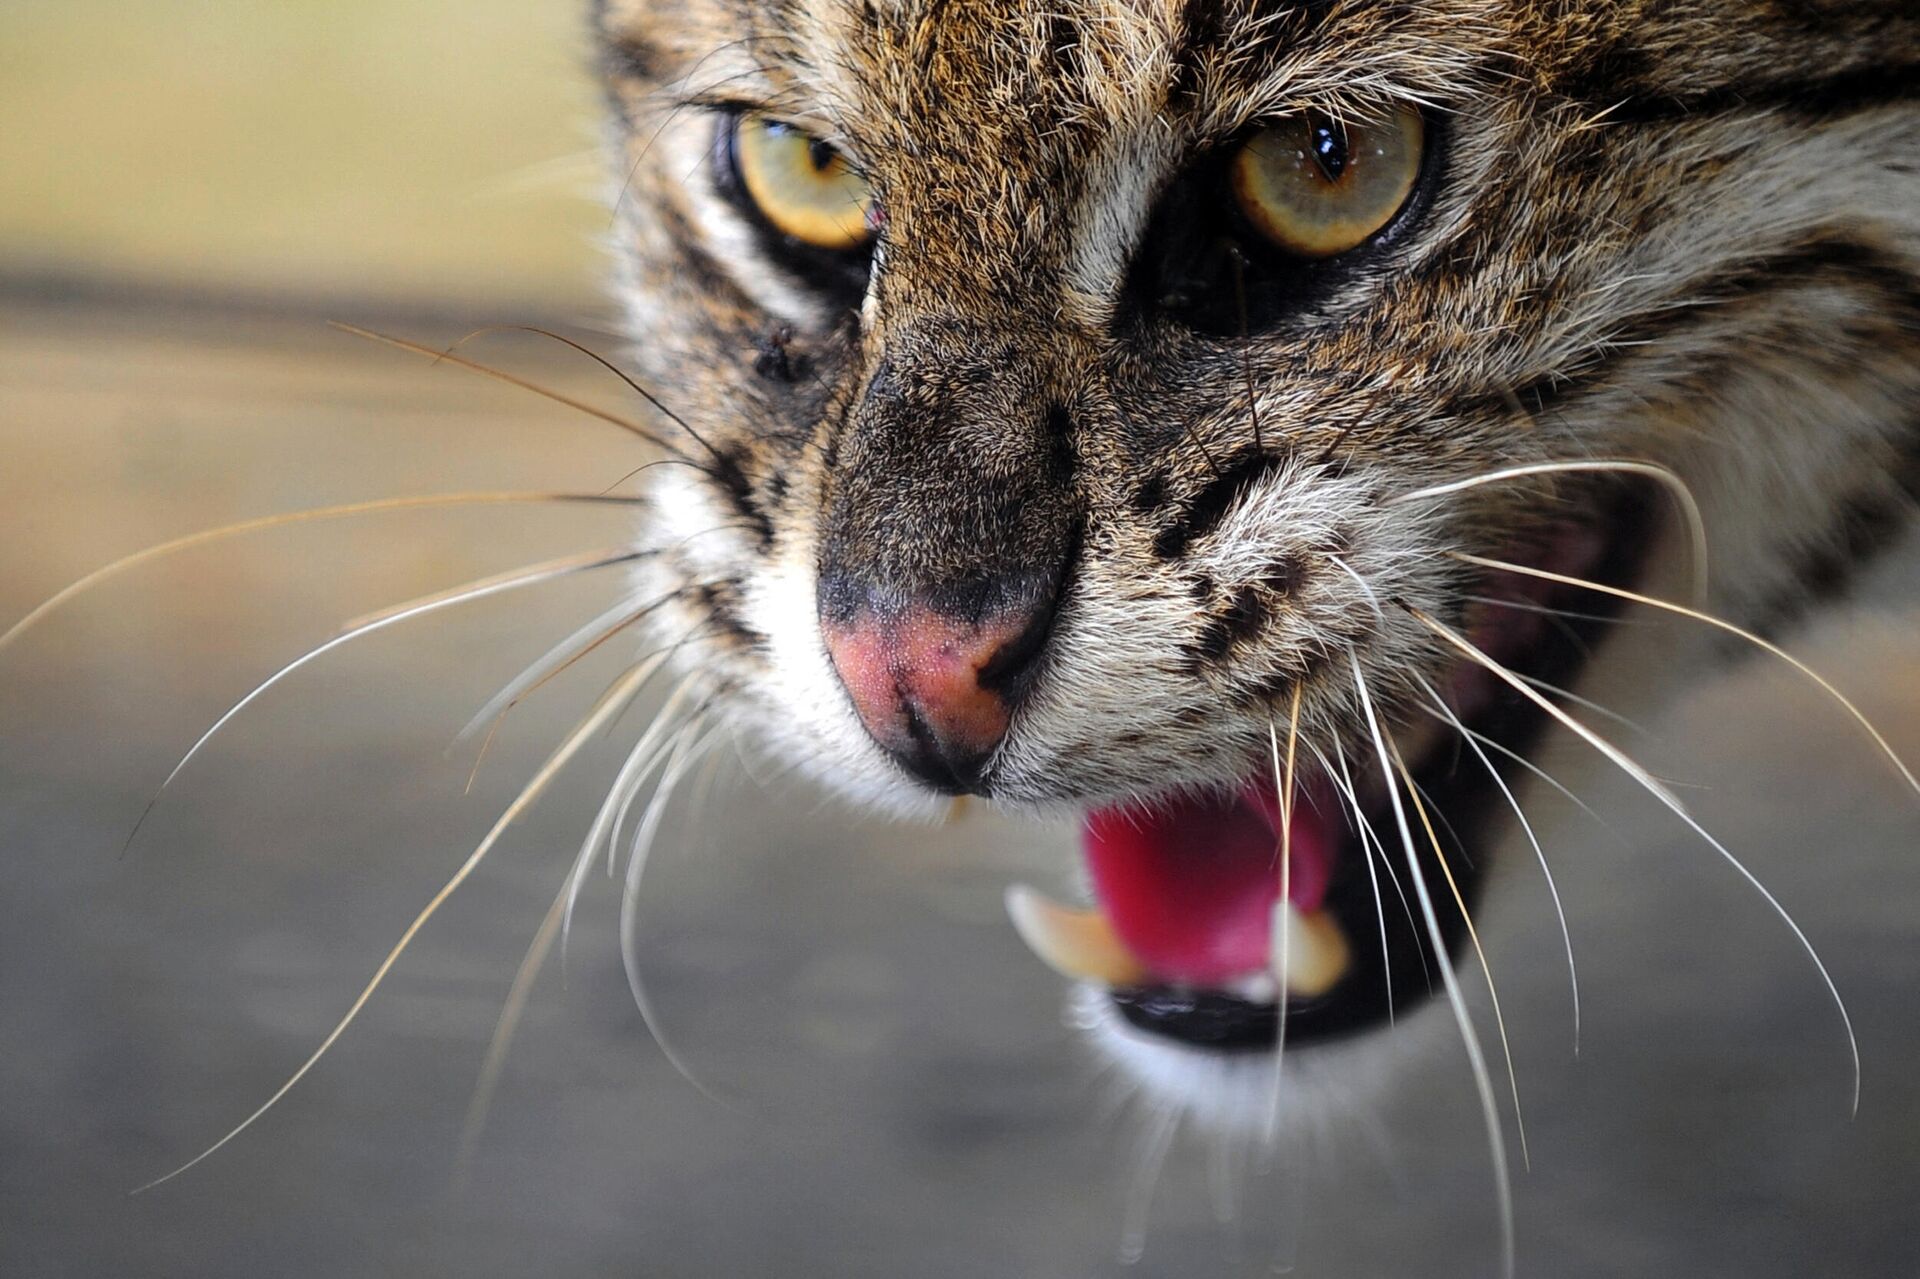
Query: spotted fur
(1682,232)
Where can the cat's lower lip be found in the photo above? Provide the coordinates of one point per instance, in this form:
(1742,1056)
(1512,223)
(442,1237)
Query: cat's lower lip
(1186,927)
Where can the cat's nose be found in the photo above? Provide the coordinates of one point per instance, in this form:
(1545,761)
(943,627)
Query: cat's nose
(935,681)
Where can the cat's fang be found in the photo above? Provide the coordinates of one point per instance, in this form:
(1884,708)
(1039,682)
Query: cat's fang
(1310,951)
(1079,944)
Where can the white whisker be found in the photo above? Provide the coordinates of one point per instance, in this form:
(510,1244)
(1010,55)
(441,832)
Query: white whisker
(363,626)
(1666,797)
(1152,1157)
(1553,890)
(206,536)
(1710,620)
(1371,849)
(632,772)
(684,752)
(1670,479)
(1420,808)
(609,705)
(480,1105)
(1482,1078)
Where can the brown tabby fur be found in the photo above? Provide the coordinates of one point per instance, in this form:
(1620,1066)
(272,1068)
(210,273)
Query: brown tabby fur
(1687,232)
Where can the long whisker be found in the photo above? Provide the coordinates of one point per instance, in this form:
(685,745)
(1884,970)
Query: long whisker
(556,663)
(1666,476)
(556,923)
(1545,776)
(662,741)
(1553,889)
(493,1065)
(609,705)
(1586,703)
(640,761)
(1473,935)
(581,406)
(1666,797)
(1741,632)
(1571,615)
(1151,1159)
(1469,1038)
(526,680)
(1283,783)
(205,536)
(1371,849)
(548,571)
(683,755)
(603,362)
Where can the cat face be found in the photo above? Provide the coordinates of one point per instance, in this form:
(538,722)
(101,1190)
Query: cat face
(1190,417)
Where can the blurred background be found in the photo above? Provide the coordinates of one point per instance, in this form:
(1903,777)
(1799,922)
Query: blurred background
(190,190)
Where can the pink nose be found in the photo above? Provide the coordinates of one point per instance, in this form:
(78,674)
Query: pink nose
(933,690)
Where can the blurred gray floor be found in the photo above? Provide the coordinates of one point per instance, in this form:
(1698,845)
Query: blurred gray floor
(902,1097)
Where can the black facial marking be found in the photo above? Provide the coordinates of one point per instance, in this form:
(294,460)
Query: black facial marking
(1867,524)
(1213,503)
(1063,453)
(1152,493)
(1242,619)
(729,472)
(1838,94)
(722,603)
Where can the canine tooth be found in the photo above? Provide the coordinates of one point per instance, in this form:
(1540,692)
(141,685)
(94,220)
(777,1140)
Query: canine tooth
(1079,944)
(1316,953)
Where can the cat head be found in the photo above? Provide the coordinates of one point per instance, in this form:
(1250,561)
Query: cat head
(1126,408)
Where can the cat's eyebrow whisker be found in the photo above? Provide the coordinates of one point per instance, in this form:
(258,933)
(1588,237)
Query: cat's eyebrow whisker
(1445,712)
(1469,1038)
(603,362)
(626,424)
(550,570)
(1659,791)
(377,505)
(1667,477)
(1473,935)
(609,705)
(1764,645)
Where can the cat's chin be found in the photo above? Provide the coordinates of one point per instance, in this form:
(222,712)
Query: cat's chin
(1255,1095)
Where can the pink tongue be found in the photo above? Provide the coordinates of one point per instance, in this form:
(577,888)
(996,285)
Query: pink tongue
(1190,884)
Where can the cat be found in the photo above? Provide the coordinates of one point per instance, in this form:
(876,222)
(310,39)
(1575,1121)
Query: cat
(1191,416)
(1237,426)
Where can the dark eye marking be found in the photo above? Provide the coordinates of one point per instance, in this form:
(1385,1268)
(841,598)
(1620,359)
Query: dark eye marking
(1213,503)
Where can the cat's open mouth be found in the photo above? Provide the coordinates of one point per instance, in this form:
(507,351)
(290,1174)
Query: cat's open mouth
(1221,920)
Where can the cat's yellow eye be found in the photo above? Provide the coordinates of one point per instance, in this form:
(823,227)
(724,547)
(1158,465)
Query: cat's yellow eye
(804,187)
(1315,187)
